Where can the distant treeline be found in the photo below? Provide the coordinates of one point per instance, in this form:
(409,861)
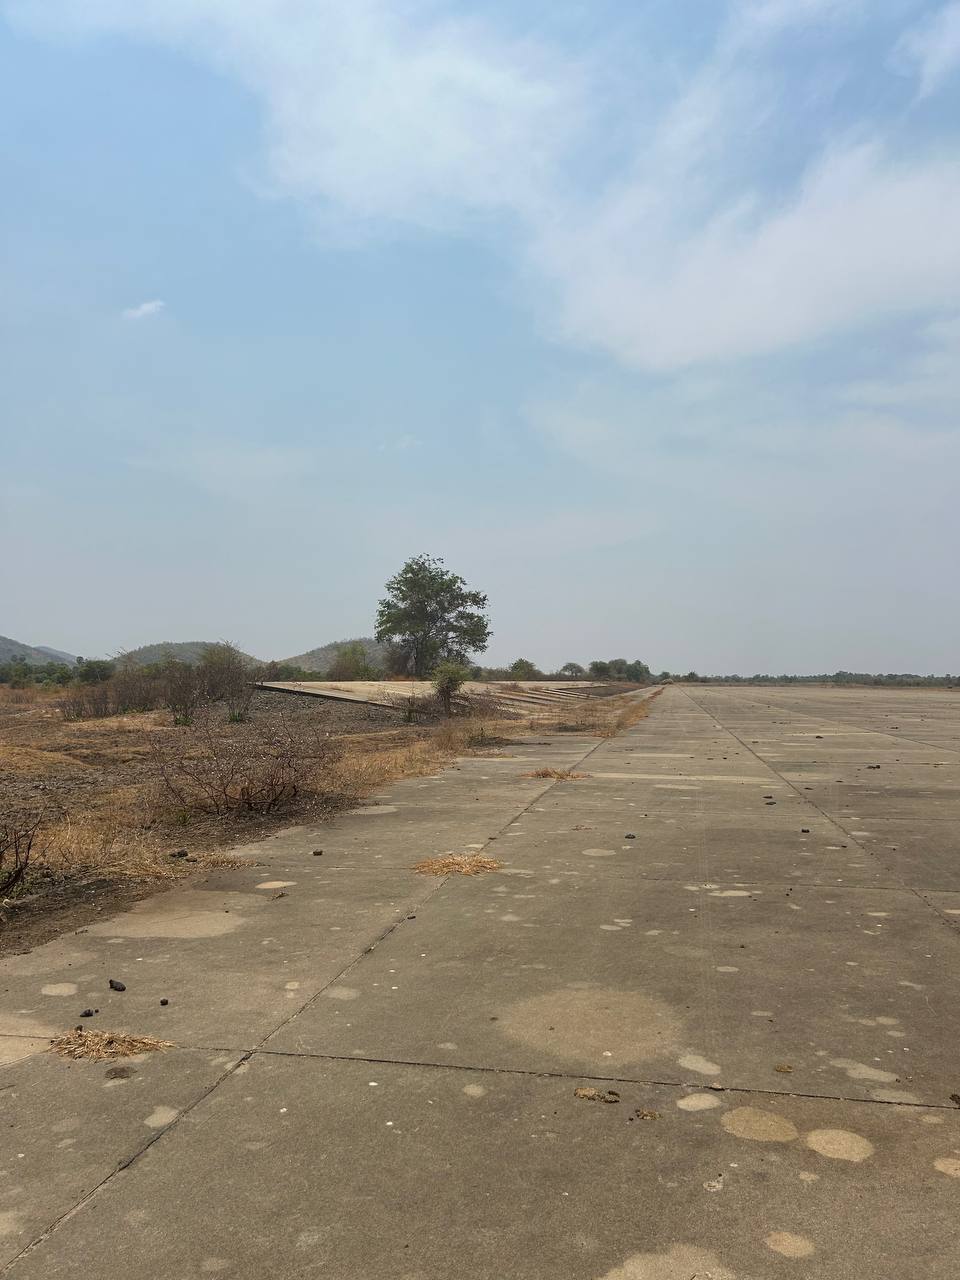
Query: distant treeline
(352,662)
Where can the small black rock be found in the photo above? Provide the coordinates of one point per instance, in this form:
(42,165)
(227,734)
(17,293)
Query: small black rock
(804,831)
(179,853)
(631,835)
(117,986)
(164,1001)
(318,853)
(87,1013)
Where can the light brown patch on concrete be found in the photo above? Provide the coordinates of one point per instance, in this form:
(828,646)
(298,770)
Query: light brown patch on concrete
(679,1262)
(840,1144)
(861,1071)
(698,1102)
(196,914)
(757,1125)
(697,1062)
(160,1117)
(598,1026)
(947,1165)
(9,1222)
(59,989)
(790,1245)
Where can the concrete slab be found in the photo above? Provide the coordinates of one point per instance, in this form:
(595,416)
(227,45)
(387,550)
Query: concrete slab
(299,1168)
(378,1072)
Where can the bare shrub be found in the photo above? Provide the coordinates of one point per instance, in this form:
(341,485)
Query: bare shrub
(181,689)
(87,702)
(16,847)
(225,676)
(131,689)
(240,768)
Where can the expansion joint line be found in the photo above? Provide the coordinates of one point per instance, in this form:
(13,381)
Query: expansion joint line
(834,822)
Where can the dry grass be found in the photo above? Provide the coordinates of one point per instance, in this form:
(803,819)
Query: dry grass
(97,784)
(458,864)
(101,1046)
(558,775)
(596,717)
(112,840)
(365,767)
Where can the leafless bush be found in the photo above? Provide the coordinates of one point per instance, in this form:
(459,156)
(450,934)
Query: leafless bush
(16,846)
(88,702)
(181,689)
(225,676)
(131,689)
(243,768)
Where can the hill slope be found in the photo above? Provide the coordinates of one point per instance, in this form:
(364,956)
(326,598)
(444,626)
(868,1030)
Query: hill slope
(182,650)
(319,659)
(33,655)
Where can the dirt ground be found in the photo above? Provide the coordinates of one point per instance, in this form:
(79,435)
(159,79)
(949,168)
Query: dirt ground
(97,785)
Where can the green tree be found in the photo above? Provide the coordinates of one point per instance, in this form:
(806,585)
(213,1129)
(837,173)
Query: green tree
(94,670)
(600,670)
(352,663)
(432,615)
(572,671)
(524,669)
(637,671)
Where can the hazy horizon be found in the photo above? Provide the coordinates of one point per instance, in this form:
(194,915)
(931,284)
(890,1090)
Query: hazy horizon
(645,318)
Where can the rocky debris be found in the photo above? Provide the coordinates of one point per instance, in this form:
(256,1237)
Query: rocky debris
(117,986)
(587,1093)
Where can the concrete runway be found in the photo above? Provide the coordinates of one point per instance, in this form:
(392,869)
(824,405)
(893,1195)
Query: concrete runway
(741,932)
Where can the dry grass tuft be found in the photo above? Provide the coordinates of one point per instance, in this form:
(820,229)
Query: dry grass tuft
(227,861)
(100,1046)
(463,864)
(558,775)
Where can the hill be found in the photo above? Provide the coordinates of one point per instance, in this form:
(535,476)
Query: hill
(320,659)
(33,655)
(183,650)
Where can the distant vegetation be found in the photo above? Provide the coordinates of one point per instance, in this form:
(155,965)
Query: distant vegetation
(323,658)
(428,625)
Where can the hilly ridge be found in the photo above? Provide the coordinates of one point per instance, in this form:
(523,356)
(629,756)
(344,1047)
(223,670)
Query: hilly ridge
(34,655)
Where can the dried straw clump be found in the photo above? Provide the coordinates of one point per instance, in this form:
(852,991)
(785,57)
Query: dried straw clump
(100,1046)
(461,864)
(558,775)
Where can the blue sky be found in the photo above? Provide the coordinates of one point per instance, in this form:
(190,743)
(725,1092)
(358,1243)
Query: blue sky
(644,316)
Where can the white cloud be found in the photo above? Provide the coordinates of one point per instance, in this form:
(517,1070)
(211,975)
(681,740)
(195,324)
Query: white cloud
(683,252)
(144,309)
(864,237)
(931,49)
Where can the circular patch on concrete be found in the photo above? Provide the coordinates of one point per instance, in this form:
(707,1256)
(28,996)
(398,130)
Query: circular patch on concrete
(840,1144)
(595,1025)
(758,1125)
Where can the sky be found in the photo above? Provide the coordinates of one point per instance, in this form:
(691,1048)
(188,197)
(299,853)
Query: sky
(644,315)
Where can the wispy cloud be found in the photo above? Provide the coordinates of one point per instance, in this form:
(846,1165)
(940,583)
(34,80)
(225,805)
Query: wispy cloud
(144,309)
(706,235)
(931,49)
